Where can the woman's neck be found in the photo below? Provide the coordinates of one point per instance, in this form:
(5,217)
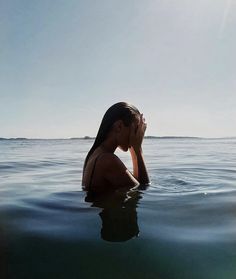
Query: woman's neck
(109,145)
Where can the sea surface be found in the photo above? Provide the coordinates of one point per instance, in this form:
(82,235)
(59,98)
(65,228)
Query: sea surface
(182,226)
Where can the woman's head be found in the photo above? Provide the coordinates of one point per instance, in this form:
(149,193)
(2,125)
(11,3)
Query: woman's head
(121,111)
(118,115)
(117,121)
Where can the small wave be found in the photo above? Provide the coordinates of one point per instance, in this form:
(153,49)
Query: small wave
(176,181)
(61,201)
(20,166)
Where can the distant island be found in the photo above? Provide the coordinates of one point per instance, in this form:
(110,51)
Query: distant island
(14,139)
(85,137)
(77,138)
(171,137)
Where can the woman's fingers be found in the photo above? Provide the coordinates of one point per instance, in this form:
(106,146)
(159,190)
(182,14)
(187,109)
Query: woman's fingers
(141,127)
(145,126)
(142,119)
(137,132)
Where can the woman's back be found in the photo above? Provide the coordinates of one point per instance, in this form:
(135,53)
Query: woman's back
(93,179)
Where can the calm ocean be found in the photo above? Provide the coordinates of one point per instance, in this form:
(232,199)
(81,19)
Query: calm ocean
(182,226)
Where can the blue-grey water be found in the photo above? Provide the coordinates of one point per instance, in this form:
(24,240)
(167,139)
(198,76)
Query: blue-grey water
(182,226)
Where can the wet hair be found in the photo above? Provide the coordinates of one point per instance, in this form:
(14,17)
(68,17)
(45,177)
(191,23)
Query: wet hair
(119,111)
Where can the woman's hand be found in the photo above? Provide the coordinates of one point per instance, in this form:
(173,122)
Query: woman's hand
(137,132)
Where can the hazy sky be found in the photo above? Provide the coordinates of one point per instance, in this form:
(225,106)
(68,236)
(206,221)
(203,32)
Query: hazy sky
(64,62)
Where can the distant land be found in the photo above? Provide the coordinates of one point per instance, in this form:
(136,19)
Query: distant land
(14,139)
(146,137)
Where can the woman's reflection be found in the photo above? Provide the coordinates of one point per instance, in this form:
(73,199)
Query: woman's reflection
(118,215)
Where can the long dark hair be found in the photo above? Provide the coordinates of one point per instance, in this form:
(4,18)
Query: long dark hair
(119,111)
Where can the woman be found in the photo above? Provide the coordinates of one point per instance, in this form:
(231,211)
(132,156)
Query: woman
(122,126)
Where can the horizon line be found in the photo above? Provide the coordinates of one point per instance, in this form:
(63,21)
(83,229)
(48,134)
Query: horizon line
(91,137)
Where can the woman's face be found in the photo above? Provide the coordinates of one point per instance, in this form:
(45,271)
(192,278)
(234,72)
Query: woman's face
(125,135)
(124,138)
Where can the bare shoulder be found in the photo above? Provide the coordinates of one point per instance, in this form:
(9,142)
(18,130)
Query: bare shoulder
(115,172)
(110,161)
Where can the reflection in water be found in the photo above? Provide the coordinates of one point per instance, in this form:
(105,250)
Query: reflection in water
(118,215)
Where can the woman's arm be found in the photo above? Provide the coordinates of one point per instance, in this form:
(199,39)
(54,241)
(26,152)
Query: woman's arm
(136,138)
(139,167)
(116,173)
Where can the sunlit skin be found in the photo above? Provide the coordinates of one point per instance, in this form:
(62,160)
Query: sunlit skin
(110,172)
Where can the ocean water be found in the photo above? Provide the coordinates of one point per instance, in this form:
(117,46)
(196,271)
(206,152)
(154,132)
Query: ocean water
(182,226)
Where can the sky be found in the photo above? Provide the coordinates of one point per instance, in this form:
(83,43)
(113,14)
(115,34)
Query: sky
(64,63)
